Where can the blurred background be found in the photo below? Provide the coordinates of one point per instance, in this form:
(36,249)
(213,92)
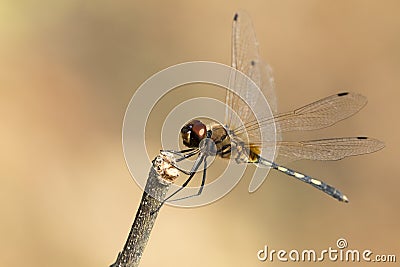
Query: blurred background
(69,69)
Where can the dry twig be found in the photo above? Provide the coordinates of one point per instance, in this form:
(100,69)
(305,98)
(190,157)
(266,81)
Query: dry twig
(161,175)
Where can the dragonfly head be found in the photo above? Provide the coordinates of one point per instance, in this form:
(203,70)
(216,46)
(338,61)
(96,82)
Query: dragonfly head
(193,132)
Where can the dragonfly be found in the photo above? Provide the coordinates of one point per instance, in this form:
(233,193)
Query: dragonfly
(242,141)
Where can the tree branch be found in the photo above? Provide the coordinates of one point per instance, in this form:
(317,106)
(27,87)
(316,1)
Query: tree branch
(161,175)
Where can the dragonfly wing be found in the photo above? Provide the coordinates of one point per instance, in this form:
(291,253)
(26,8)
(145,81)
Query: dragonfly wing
(322,113)
(241,102)
(247,103)
(325,149)
(317,115)
(267,85)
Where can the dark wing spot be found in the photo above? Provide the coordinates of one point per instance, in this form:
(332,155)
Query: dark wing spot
(342,94)
(362,137)
(253,63)
(236,17)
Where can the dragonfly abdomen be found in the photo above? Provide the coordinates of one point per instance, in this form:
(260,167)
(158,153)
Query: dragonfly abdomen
(326,188)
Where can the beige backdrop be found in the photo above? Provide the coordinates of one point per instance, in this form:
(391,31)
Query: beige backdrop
(68,70)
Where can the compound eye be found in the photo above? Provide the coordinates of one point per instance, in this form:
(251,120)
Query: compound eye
(186,129)
(193,132)
(186,133)
(200,130)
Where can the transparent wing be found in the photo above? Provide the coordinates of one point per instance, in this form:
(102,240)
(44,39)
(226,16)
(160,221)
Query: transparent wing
(267,85)
(324,149)
(317,115)
(247,102)
(245,58)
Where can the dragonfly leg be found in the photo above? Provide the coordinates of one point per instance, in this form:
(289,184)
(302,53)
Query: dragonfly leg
(193,151)
(203,181)
(181,169)
(191,154)
(179,153)
(195,167)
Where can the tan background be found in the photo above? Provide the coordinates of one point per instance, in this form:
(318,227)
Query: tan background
(68,70)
